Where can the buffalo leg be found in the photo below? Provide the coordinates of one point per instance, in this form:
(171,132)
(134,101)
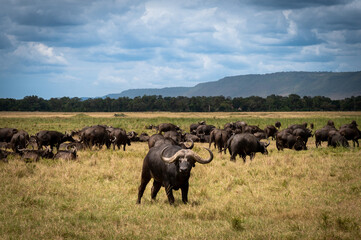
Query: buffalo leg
(145,180)
(169,192)
(155,189)
(185,192)
(233,157)
(243,157)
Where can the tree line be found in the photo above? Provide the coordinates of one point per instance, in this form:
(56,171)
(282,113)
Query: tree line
(292,102)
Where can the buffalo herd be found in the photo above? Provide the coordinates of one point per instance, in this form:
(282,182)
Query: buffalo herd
(170,157)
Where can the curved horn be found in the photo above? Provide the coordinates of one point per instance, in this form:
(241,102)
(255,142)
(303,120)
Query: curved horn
(199,159)
(266,145)
(113,140)
(172,158)
(191,146)
(132,134)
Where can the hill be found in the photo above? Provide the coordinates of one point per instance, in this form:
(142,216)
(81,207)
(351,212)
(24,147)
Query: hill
(329,84)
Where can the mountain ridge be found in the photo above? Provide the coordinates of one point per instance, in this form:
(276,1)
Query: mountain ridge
(336,85)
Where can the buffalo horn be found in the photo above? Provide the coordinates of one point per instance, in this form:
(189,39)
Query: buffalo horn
(115,138)
(191,146)
(199,159)
(269,142)
(174,157)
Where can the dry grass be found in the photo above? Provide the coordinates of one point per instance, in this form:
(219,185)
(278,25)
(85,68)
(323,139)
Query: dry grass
(219,115)
(314,194)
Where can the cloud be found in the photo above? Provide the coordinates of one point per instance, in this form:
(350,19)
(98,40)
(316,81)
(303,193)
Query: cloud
(111,46)
(39,53)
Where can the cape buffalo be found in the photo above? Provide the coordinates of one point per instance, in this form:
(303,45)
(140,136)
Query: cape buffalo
(193,126)
(219,137)
(52,138)
(6,134)
(284,139)
(165,127)
(170,166)
(19,140)
(119,137)
(66,154)
(321,135)
(337,140)
(353,134)
(34,155)
(270,131)
(246,144)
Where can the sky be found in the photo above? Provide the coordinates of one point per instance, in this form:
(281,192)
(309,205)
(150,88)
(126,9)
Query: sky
(90,48)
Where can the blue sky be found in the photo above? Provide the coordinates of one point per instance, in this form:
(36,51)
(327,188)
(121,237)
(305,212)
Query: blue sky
(93,48)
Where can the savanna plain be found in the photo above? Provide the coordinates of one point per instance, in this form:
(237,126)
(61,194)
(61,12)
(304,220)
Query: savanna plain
(313,194)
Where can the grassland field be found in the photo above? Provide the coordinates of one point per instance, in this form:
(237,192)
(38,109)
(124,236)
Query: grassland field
(313,194)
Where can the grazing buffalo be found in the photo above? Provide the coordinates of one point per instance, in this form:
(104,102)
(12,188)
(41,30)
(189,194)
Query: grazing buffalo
(240,125)
(66,154)
(170,166)
(193,126)
(245,144)
(321,135)
(188,137)
(278,124)
(158,139)
(295,126)
(204,130)
(52,138)
(143,137)
(119,137)
(251,129)
(176,136)
(165,127)
(337,140)
(19,140)
(6,134)
(304,133)
(351,133)
(219,137)
(284,139)
(270,131)
(94,136)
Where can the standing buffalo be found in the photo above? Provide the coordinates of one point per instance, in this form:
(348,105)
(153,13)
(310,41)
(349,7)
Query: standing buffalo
(336,140)
(119,137)
(94,136)
(270,131)
(6,134)
(220,138)
(165,127)
(19,140)
(321,135)
(351,133)
(245,144)
(193,126)
(170,166)
(52,138)
(204,129)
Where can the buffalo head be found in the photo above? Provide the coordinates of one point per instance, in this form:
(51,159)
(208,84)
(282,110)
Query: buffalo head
(185,159)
